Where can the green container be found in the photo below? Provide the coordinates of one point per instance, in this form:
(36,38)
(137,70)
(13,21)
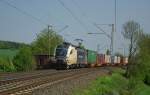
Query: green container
(91,57)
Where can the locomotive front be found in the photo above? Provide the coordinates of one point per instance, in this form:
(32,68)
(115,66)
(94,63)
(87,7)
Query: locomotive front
(61,55)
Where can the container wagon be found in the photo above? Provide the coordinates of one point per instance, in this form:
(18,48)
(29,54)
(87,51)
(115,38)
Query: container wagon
(115,60)
(107,60)
(81,58)
(118,60)
(100,60)
(125,60)
(91,58)
(44,61)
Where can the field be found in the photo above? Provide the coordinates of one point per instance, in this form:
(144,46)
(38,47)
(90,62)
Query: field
(8,53)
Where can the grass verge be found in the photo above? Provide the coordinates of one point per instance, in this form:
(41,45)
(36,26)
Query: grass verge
(115,84)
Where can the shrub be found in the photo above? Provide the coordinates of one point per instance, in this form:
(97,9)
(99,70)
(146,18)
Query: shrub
(24,61)
(147,78)
(6,65)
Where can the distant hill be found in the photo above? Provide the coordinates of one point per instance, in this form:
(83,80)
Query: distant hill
(11,45)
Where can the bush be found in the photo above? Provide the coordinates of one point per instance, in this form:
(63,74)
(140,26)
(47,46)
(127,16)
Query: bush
(147,78)
(24,61)
(115,84)
(6,65)
(45,45)
(106,85)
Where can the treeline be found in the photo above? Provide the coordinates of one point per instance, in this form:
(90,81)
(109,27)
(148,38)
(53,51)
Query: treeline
(45,43)
(11,45)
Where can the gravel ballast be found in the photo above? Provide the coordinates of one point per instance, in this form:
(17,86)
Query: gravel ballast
(67,87)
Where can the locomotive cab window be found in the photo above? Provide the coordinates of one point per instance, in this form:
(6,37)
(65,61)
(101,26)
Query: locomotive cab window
(61,52)
(71,51)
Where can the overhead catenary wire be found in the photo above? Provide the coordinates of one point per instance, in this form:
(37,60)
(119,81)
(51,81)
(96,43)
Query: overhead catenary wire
(62,29)
(111,36)
(24,12)
(73,15)
(102,30)
(79,8)
(89,20)
(83,12)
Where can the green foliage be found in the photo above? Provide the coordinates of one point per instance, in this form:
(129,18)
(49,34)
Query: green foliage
(115,84)
(23,61)
(106,85)
(132,32)
(108,52)
(147,78)
(144,57)
(8,53)
(46,42)
(142,89)
(138,68)
(137,88)
(6,65)
(118,54)
(6,56)
(11,45)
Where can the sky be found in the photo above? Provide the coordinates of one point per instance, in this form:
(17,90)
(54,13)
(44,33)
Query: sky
(32,16)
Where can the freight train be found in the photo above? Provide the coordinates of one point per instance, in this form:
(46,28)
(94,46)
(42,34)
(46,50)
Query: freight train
(70,56)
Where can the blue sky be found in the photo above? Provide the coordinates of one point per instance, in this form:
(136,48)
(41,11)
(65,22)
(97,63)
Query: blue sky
(15,26)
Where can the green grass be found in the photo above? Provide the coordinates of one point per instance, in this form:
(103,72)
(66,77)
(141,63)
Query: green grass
(142,89)
(107,85)
(115,84)
(8,53)
(6,57)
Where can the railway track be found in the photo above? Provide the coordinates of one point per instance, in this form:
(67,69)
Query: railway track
(11,76)
(28,84)
(27,77)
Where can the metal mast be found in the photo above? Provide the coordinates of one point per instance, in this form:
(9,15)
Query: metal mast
(49,44)
(112,42)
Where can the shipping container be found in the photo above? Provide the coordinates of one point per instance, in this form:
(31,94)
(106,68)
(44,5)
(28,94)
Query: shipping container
(121,60)
(125,61)
(91,57)
(107,59)
(118,60)
(100,59)
(102,56)
(115,60)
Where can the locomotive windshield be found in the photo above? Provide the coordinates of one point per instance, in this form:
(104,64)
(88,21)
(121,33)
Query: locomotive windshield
(61,52)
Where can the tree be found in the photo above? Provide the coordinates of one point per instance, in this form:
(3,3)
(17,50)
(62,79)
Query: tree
(132,32)
(46,42)
(144,57)
(107,52)
(24,61)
